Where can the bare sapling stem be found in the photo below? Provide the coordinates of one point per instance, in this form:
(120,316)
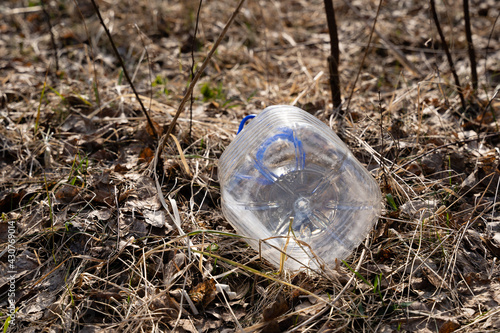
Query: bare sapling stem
(366,50)
(193,45)
(150,122)
(470,45)
(52,38)
(333,59)
(448,54)
(195,79)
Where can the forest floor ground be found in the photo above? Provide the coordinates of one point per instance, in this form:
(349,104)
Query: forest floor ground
(99,249)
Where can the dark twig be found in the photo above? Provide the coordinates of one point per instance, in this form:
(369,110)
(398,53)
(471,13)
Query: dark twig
(195,79)
(486,109)
(448,54)
(266,50)
(149,63)
(333,59)
(150,122)
(365,54)
(459,142)
(395,51)
(470,46)
(52,38)
(488,44)
(382,144)
(91,49)
(193,44)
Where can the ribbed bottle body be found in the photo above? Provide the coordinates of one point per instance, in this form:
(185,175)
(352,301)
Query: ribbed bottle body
(288,181)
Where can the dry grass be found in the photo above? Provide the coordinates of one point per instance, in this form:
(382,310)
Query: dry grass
(98,248)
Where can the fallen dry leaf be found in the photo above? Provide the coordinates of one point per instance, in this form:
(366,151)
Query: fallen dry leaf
(66,193)
(275,309)
(146,155)
(10,200)
(203,293)
(449,326)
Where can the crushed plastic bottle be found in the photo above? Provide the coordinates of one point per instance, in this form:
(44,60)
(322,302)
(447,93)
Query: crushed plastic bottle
(289,183)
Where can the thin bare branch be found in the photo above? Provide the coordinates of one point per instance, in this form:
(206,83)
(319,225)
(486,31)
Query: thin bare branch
(333,59)
(193,45)
(117,54)
(52,38)
(396,52)
(195,79)
(470,45)
(448,54)
(367,48)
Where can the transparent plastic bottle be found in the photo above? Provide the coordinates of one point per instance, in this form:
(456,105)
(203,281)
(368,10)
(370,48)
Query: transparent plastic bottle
(288,182)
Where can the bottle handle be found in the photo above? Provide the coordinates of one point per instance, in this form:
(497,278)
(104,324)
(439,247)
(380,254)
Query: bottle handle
(243,121)
(286,134)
